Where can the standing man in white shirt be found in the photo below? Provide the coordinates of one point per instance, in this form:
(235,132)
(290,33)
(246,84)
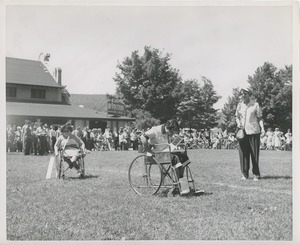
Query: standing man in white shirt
(52,134)
(249,118)
(42,135)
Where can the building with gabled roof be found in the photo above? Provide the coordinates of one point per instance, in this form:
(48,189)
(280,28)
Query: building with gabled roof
(30,81)
(29,72)
(32,93)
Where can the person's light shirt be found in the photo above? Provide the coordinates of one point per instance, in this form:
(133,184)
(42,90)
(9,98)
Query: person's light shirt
(247,115)
(133,136)
(288,138)
(70,142)
(231,138)
(156,136)
(41,131)
(107,134)
(52,132)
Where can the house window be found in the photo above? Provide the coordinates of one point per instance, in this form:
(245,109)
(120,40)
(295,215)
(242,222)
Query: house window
(38,93)
(11,92)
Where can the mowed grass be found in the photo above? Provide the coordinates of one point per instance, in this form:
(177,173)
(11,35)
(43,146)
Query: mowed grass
(102,206)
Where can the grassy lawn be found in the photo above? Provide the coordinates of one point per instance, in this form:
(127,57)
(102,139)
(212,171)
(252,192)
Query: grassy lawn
(103,207)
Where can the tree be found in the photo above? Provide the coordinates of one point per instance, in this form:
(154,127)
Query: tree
(273,92)
(284,99)
(144,119)
(65,95)
(188,107)
(228,112)
(195,109)
(148,83)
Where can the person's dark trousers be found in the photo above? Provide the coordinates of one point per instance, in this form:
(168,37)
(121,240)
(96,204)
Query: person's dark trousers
(34,147)
(122,146)
(19,146)
(48,146)
(249,146)
(116,144)
(53,141)
(127,144)
(27,145)
(89,144)
(135,144)
(42,145)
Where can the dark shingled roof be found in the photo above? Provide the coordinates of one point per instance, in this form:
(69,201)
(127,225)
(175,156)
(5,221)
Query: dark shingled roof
(28,72)
(54,110)
(92,101)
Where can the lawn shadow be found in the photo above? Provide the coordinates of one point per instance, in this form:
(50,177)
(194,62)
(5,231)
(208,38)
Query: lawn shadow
(276,177)
(197,194)
(81,178)
(170,193)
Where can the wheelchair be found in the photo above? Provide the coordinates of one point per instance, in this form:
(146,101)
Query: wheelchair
(150,172)
(69,158)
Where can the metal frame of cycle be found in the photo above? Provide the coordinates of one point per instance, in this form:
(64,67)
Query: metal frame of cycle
(150,172)
(61,170)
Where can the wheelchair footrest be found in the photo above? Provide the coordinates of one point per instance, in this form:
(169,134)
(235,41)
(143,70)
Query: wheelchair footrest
(184,186)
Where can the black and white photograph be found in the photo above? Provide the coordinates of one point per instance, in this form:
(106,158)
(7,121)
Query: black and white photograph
(164,121)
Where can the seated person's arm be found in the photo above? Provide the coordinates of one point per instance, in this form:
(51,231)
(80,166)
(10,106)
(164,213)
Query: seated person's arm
(82,147)
(55,150)
(145,142)
(81,144)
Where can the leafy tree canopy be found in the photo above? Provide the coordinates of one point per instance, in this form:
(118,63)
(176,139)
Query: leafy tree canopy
(228,112)
(195,109)
(65,96)
(144,119)
(148,82)
(273,91)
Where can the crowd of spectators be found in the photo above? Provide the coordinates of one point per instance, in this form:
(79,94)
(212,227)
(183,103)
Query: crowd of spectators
(39,138)
(276,140)
(31,138)
(208,139)
(98,140)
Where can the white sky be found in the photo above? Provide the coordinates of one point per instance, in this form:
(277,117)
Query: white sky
(223,43)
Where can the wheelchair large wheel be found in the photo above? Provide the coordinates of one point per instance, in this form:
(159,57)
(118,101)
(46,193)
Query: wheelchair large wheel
(145,175)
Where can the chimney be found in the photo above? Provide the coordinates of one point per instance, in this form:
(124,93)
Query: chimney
(59,76)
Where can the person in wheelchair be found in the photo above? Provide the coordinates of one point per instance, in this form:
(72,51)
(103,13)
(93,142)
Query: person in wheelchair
(162,134)
(71,147)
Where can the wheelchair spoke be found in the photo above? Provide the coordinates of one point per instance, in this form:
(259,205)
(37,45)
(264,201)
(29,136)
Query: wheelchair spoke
(145,175)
